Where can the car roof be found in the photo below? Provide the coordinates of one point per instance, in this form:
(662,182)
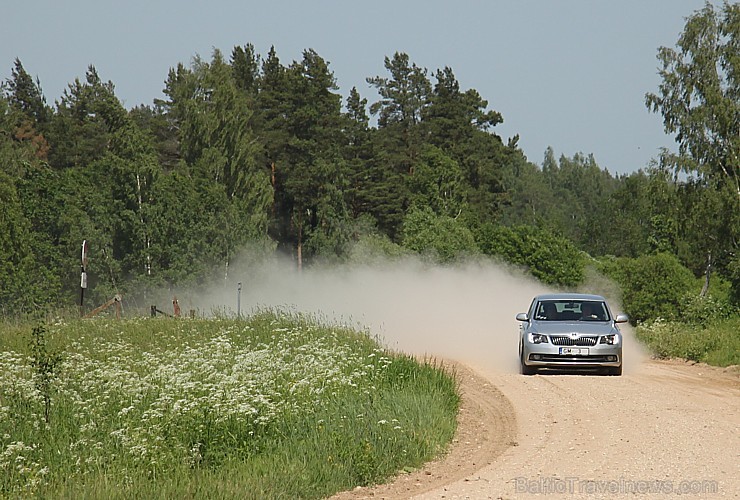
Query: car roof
(570,296)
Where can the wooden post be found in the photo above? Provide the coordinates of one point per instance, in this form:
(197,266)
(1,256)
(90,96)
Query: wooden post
(115,301)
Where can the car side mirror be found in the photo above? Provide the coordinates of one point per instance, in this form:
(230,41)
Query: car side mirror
(522,317)
(621,318)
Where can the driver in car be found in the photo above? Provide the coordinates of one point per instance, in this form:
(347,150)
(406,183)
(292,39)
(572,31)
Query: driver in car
(588,311)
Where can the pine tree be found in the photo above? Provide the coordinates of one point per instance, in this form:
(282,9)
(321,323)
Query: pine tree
(25,95)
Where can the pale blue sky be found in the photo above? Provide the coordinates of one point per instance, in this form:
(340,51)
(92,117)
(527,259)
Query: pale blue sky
(571,74)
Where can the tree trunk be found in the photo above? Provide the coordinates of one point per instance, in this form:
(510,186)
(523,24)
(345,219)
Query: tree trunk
(299,249)
(147,241)
(707,275)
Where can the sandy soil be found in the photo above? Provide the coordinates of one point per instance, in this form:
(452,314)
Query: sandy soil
(665,428)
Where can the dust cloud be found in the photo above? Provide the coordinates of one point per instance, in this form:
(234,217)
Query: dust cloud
(464,313)
(633,352)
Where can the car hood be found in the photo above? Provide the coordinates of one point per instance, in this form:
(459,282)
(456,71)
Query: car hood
(566,327)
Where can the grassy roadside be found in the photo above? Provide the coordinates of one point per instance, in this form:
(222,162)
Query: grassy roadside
(717,343)
(274,406)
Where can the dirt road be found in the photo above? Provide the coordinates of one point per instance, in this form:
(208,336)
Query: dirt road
(665,428)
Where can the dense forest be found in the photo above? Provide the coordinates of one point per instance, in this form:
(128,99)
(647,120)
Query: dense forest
(246,150)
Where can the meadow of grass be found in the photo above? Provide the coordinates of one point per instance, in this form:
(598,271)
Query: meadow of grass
(277,405)
(716,343)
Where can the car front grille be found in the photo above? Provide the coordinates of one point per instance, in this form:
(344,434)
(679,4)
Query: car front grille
(566,340)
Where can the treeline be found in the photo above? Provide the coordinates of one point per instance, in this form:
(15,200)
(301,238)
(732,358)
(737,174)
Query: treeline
(247,150)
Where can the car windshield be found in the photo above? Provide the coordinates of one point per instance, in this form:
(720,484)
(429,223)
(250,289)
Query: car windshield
(571,310)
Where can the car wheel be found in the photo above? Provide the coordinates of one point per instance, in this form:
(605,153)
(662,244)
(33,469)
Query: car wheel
(524,369)
(614,371)
(528,370)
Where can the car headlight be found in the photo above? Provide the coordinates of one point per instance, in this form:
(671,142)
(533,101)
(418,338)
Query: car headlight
(536,338)
(612,339)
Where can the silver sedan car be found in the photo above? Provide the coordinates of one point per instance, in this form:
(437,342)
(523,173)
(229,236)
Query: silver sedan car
(570,331)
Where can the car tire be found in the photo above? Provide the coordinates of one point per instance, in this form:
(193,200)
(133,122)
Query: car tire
(528,370)
(614,371)
(524,369)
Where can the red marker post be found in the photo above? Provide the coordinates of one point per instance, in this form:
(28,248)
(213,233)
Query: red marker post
(83,277)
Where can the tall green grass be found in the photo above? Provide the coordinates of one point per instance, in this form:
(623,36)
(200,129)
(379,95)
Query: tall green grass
(274,406)
(717,343)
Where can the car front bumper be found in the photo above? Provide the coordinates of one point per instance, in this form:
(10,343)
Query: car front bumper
(552,356)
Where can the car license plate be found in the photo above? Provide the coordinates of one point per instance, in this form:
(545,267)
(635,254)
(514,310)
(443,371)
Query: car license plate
(573,350)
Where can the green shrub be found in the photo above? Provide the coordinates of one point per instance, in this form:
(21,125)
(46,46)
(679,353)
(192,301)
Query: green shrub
(726,345)
(704,310)
(374,248)
(549,257)
(438,236)
(717,344)
(653,286)
(733,271)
